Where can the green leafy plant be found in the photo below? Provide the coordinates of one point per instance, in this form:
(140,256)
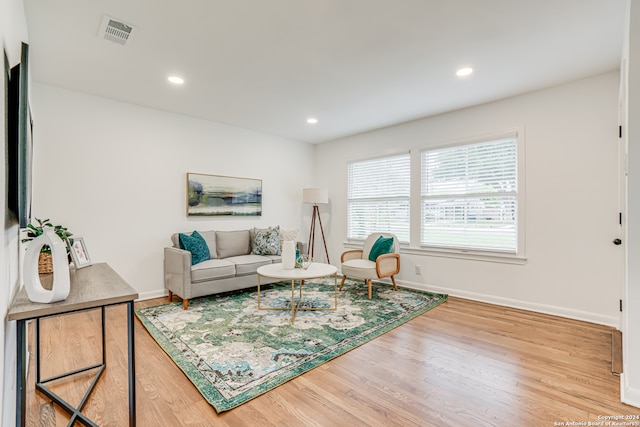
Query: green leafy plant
(34,231)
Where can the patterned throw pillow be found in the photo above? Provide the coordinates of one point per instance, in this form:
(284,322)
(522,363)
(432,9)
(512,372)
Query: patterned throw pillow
(196,245)
(266,241)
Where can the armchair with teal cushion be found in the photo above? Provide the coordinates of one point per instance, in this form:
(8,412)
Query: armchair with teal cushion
(379,258)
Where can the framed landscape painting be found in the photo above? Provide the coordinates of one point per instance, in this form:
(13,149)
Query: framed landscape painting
(215,195)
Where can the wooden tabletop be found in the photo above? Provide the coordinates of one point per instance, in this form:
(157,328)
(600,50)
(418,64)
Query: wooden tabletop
(94,286)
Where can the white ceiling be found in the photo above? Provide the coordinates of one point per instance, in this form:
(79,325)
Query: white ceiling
(356,65)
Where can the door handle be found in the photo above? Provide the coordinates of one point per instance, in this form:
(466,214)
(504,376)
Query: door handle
(617,242)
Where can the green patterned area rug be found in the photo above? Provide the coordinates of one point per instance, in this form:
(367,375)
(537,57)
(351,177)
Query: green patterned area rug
(232,352)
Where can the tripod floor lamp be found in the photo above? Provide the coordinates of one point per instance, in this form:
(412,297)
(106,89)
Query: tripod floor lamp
(316,196)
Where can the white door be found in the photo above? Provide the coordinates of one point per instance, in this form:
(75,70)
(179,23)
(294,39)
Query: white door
(622,184)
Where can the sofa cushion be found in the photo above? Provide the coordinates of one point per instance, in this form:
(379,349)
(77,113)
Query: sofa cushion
(233,243)
(248,264)
(195,244)
(212,269)
(275,259)
(359,269)
(208,236)
(266,241)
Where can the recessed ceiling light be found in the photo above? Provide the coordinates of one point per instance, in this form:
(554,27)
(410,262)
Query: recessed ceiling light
(462,72)
(176,80)
(312,120)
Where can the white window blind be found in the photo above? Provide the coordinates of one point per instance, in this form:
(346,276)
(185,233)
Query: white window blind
(470,196)
(378,197)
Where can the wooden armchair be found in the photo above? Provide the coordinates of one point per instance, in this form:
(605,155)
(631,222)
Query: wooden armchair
(356,264)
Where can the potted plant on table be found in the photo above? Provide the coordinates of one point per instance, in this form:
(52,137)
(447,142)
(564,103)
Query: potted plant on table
(45,261)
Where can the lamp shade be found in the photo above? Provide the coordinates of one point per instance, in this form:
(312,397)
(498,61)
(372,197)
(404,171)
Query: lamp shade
(315,195)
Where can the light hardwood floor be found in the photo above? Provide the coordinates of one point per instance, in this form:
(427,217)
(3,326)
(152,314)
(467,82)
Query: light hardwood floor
(463,363)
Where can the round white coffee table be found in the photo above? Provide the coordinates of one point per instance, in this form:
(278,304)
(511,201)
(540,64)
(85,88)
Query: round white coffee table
(316,270)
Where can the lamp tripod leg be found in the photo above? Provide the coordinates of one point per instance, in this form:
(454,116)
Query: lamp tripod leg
(312,230)
(312,233)
(323,239)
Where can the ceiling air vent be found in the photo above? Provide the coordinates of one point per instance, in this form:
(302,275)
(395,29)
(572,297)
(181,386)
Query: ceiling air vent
(116,31)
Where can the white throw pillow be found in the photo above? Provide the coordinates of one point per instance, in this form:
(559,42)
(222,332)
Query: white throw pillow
(288,234)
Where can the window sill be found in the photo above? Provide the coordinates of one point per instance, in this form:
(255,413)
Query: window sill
(456,254)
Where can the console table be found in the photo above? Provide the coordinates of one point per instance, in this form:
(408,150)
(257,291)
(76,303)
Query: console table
(93,287)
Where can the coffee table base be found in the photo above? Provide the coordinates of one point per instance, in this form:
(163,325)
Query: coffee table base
(295,304)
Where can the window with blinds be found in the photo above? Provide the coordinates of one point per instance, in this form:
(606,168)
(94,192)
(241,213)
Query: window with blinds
(470,196)
(378,197)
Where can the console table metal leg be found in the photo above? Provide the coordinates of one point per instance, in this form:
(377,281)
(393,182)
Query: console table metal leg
(21,380)
(104,336)
(132,365)
(36,347)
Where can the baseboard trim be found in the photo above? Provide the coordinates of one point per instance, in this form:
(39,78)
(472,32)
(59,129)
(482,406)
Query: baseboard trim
(629,395)
(159,293)
(612,321)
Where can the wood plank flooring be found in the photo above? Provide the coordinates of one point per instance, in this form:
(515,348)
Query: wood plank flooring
(463,363)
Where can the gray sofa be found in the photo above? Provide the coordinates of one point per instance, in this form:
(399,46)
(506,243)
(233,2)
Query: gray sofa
(232,265)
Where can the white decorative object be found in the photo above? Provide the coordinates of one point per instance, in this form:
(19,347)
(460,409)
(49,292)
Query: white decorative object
(288,254)
(61,282)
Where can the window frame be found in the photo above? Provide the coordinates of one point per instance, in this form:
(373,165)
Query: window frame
(408,198)
(413,247)
(517,256)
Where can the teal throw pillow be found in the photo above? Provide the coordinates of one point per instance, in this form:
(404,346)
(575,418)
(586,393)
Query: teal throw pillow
(196,245)
(382,246)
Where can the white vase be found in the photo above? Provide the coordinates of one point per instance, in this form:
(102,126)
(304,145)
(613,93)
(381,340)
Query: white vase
(288,254)
(61,281)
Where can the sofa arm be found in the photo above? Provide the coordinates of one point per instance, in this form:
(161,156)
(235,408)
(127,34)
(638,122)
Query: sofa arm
(177,272)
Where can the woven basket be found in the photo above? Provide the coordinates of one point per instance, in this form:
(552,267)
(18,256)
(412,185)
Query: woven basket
(45,263)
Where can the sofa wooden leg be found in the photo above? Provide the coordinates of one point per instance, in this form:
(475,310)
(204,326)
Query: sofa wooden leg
(170,296)
(342,282)
(185,304)
(369,284)
(393,280)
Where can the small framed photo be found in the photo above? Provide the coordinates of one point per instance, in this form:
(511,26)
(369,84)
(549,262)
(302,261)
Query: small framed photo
(79,252)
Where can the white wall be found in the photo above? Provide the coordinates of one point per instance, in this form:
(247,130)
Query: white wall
(13,30)
(571,199)
(115,174)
